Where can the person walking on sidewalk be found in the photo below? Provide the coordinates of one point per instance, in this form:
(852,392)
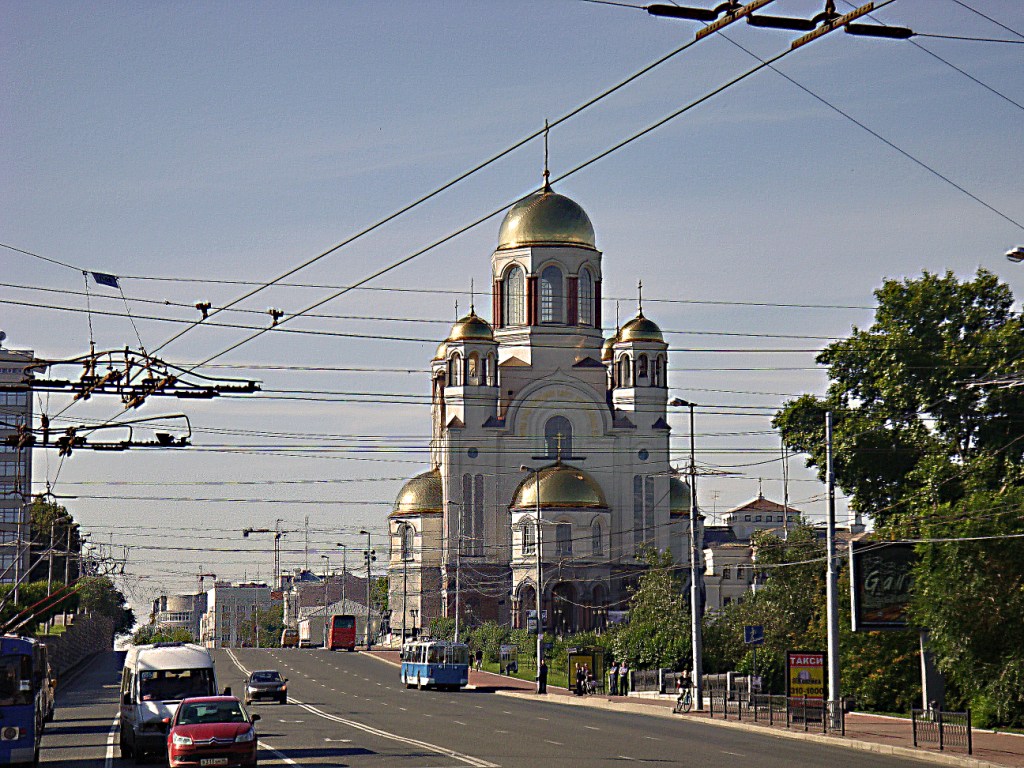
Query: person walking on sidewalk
(542,677)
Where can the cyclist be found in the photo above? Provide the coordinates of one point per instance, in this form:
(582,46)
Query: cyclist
(684,694)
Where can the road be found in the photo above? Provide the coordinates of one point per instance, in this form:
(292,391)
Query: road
(350,710)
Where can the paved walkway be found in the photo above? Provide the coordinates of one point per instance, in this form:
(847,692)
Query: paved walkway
(871,732)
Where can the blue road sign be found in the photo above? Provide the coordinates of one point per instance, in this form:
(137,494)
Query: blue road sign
(753,635)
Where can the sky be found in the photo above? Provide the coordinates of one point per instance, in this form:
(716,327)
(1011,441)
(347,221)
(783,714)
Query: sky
(209,144)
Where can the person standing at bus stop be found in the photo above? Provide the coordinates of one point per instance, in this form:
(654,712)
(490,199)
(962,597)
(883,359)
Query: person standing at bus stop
(613,679)
(542,677)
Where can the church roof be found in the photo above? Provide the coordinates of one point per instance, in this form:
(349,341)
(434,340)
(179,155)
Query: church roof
(546,218)
(422,494)
(561,485)
(472,327)
(607,350)
(679,497)
(761,504)
(640,329)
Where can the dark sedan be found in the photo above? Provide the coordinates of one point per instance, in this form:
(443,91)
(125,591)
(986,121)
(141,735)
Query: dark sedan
(266,684)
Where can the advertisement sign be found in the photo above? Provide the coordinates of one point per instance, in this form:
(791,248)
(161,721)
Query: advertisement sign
(881,581)
(805,674)
(753,634)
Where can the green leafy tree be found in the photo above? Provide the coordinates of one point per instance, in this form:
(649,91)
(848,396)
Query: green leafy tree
(271,625)
(148,633)
(46,517)
(379,594)
(907,423)
(658,632)
(98,593)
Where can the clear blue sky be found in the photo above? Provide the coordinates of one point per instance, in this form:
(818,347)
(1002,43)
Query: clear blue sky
(227,141)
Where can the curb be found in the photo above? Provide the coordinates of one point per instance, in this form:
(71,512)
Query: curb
(849,742)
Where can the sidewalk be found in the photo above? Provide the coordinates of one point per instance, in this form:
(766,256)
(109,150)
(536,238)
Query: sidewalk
(874,733)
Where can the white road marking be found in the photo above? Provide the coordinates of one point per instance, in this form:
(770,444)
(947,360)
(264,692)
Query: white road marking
(339,741)
(655,738)
(543,718)
(114,729)
(591,728)
(734,754)
(501,731)
(458,722)
(556,743)
(627,757)
(278,755)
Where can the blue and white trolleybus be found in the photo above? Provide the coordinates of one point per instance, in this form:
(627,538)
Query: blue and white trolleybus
(437,663)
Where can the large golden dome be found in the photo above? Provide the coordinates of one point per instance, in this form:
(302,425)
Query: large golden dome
(546,218)
(679,497)
(472,327)
(561,485)
(641,329)
(420,495)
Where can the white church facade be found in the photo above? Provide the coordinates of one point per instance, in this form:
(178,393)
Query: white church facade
(538,416)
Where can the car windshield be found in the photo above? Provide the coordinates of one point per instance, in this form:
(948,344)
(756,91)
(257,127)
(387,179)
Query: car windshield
(266,677)
(211,712)
(15,680)
(175,684)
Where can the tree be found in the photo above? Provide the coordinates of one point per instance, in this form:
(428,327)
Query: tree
(45,516)
(379,594)
(658,632)
(908,425)
(271,624)
(98,593)
(150,633)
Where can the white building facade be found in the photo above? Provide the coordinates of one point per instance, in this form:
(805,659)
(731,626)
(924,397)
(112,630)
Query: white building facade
(541,388)
(228,607)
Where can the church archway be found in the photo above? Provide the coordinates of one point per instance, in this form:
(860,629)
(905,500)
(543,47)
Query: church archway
(563,609)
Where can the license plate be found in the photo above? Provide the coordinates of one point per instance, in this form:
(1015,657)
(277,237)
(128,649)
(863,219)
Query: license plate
(213,761)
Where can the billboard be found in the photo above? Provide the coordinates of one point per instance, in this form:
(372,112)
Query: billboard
(805,674)
(881,580)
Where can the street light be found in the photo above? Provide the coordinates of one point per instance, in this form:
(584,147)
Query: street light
(403,528)
(344,573)
(370,557)
(540,573)
(1016,255)
(695,572)
(327,571)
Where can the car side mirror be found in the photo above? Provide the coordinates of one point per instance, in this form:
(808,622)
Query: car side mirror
(255,718)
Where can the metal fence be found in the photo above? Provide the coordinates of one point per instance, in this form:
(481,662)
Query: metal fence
(947,729)
(793,712)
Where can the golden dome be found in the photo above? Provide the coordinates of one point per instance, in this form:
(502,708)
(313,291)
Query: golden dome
(608,351)
(422,494)
(472,327)
(679,497)
(641,329)
(442,351)
(546,218)
(561,485)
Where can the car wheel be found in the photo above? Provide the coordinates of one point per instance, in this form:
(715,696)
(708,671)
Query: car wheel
(282,699)
(126,748)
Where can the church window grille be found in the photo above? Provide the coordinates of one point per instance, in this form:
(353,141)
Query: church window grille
(455,370)
(515,297)
(586,300)
(563,539)
(529,539)
(641,367)
(471,515)
(596,539)
(558,437)
(551,295)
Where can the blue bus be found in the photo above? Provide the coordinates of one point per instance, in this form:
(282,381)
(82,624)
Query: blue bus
(22,701)
(435,663)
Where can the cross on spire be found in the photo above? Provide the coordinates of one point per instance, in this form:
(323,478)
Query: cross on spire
(547,173)
(472,303)
(640,296)
(558,446)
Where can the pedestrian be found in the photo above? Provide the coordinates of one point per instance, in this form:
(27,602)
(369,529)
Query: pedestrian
(542,677)
(479,659)
(581,677)
(624,679)
(613,679)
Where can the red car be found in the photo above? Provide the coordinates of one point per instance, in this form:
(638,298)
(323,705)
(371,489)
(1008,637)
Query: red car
(211,731)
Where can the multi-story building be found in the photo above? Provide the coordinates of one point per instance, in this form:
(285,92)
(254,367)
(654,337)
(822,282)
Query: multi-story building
(15,460)
(228,607)
(179,612)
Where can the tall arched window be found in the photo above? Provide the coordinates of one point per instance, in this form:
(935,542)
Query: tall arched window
(491,372)
(563,539)
(558,437)
(529,538)
(474,369)
(624,380)
(514,297)
(551,295)
(641,367)
(408,536)
(596,539)
(586,300)
(455,370)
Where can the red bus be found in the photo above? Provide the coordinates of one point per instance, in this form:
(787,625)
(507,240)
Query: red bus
(343,632)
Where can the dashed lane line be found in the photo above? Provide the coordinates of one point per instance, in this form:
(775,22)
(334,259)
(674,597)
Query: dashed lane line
(114,729)
(279,755)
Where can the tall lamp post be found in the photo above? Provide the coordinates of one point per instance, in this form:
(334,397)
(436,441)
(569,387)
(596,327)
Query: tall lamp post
(404,532)
(370,557)
(540,572)
(695,571)
(327,573)
(344,573)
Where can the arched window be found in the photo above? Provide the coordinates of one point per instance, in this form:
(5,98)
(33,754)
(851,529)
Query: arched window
(596,539)
(641,367)
(624,380)
(558,437)
(586,300)
(529,538)
(465,531)
(563,539)
(474,369)
(551,295)
(408,537)
(491,372)
(477,541)
(455,370)
(660,373)
(514,310)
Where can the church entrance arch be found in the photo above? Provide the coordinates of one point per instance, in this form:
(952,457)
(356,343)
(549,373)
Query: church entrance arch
(526,599)
(563,618)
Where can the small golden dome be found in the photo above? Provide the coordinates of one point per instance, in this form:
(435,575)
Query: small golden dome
(420,495)
(608,350)
(442,351)
(679,497)
(641,329)
(546,218)
(561,485)
(472,327)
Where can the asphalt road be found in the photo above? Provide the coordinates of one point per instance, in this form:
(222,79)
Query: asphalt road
(351,710)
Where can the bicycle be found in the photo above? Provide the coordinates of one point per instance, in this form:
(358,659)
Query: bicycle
(684,700)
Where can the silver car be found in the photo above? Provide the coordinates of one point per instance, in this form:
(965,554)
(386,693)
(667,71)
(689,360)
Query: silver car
(266,684)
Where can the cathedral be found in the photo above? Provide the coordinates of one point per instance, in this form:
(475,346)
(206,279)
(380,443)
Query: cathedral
(549,441)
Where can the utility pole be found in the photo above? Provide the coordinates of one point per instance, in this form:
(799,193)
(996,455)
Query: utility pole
(540,570)
(370,556)
(785,491)
(327,570)
(49,573)
(695,576)
(305,548)
(405,579)
(67,561)
(458,568)
(832,606)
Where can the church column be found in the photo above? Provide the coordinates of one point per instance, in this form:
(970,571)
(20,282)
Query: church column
(496,305)
(572,299)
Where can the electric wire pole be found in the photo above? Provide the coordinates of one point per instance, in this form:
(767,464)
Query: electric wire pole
(832,606)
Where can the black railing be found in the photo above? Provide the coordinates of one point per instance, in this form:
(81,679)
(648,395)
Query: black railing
(947,729)
(794,711)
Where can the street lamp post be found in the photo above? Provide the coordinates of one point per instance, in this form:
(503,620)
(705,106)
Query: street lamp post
(404,528)
(344,572)
(540,572)
(370,556)
(327,572)
(695,572)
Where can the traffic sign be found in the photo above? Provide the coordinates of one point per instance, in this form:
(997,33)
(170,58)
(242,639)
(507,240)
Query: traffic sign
(753,635)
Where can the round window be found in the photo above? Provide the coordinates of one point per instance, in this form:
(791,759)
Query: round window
(643,454)
(472,453)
